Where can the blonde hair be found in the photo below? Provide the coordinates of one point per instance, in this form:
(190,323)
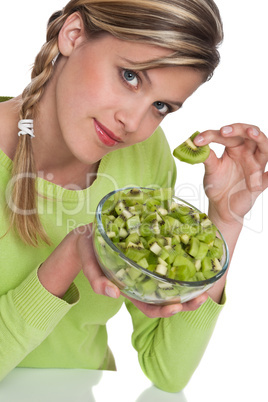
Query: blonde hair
(192,29)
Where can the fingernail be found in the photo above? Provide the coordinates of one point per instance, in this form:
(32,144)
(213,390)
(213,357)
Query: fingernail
(199,140)
(255,132)
(109,291)
(227,130)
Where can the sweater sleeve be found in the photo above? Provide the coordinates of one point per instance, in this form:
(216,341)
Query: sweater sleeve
(28,314)
(170,349)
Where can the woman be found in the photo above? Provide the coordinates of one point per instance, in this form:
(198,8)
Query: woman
(101,85)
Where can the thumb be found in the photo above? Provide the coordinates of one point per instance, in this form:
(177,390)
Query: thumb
(211,163)
(91,269)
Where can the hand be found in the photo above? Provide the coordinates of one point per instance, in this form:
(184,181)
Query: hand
(91,269)
(234,181)
(102,285)
(154,311)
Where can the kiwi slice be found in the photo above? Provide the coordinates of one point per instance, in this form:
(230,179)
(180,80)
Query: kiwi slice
(190,153)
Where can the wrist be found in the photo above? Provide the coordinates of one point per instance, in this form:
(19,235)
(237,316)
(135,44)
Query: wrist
(225,219)
(230,228)
(59,270)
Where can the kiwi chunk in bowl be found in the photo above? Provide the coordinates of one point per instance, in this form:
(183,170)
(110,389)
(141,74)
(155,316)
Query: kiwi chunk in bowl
(156,247)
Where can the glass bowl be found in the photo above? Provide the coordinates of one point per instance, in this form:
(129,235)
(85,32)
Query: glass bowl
(136,281)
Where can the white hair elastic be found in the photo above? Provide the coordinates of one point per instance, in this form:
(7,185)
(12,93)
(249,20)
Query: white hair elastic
(26,127)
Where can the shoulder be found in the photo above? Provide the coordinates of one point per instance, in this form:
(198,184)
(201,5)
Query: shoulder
(8,126)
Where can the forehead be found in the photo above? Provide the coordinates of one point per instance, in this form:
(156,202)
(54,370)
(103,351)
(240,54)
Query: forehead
(143,52)
(138,51)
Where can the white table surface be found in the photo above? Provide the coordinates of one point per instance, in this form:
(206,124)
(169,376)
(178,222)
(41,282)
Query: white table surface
(69,385)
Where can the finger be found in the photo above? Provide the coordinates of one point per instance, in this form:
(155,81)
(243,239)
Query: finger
(265,181)
(240,130)
(194,304)
(262,182)
(252,173)
(211,163)
(250,146)
(206,137)
(262,145)
(254,137)
(98,281)
(154,310)
(252,159)
(235,135)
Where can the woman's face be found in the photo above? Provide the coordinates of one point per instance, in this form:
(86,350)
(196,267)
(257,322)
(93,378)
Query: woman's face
(102,104)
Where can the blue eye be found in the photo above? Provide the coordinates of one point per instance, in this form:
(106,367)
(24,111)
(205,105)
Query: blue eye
(131,77)
(162,107)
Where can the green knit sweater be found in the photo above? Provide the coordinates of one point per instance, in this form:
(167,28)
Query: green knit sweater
(38,329)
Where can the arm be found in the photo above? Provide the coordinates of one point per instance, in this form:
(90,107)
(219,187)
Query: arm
(28,314)
(241,170)
(170,349)
(31,311)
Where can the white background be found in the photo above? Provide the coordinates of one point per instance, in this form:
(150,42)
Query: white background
(234,367)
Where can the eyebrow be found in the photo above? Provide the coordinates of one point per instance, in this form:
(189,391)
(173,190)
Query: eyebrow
(178,104)
(144,72)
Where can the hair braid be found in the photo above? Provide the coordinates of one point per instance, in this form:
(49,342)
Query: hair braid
(24,215)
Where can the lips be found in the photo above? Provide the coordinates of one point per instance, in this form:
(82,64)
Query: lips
(105,135)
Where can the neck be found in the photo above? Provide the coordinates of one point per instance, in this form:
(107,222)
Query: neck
(71,177)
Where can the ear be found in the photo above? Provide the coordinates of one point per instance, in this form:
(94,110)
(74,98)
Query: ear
(71,34)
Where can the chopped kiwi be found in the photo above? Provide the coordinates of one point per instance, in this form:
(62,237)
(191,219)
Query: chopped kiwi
(160,235)
(190,153)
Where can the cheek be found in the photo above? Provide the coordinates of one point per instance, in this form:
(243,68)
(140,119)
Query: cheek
(77,82)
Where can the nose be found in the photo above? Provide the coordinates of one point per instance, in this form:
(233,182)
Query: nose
(131,115)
